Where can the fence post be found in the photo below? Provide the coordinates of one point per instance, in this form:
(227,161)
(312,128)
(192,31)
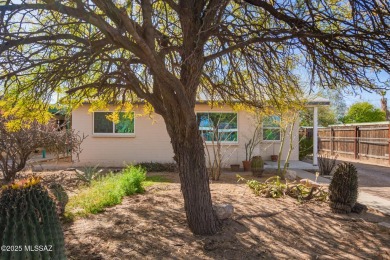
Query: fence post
(331,140)
(355,147)
(388,131)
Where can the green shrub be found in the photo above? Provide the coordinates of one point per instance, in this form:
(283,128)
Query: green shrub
(151,180)
(157,167)
(305,147)
(106,192)
(132,178)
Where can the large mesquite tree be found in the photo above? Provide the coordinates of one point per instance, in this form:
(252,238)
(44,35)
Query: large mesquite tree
(166,52)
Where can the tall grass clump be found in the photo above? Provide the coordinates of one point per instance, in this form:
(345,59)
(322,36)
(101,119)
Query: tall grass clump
(105,192)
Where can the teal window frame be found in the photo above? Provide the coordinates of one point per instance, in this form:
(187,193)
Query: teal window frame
(271,131)
(117,129)
(227,129)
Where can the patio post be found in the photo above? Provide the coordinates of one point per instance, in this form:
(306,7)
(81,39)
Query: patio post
(315,136)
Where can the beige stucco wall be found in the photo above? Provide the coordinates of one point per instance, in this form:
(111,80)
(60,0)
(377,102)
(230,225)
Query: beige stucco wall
(152,143)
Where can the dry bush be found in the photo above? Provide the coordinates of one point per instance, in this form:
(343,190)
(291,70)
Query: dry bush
(16,146)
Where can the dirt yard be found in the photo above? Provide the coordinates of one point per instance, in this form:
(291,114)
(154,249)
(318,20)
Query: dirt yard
(153,226)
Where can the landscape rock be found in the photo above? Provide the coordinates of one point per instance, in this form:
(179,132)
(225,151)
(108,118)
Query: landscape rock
(210,245)
(291,175)
(359,208)
(223,211)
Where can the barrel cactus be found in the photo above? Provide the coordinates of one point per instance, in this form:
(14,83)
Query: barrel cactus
(29,225)
(343,190)
(257,166)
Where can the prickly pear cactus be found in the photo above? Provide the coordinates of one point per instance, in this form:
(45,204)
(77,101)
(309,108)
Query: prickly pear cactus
(60,197)
(29,225)
(343,190)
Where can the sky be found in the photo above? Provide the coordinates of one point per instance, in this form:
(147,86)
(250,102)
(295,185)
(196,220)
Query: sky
(373,97)
(362,96)
(358,95)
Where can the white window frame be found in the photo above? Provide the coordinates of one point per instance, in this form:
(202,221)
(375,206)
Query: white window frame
(113,134)
(272,127)
(220,112)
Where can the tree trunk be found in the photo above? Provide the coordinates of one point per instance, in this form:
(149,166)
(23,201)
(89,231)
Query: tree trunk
(190,157)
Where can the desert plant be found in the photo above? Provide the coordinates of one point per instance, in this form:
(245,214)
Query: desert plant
(304,192)
(287,125)
(61,198)
(257,166)
(343,188)
(216,153)
(254,141)
(16,145)
(214,163)
(105,192)
(88,173)
(279,125)
(28,222)
(326,163)
(62,141)
(273,187)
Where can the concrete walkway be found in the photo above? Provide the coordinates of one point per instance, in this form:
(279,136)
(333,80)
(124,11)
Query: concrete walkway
(372,201)
(292,165)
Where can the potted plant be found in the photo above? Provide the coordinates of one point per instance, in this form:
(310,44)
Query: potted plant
(234,167)
(250,147)
(257,166)
(274,157)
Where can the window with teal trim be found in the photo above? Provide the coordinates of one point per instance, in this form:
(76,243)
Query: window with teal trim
(218,126)
(271,128)
(102,125)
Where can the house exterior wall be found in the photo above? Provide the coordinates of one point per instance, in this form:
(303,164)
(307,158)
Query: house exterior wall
(152,143)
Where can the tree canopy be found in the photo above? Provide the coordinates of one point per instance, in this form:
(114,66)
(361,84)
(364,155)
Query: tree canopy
(326,116)
(236,50)
(364,112)
(337,104)
(171,52)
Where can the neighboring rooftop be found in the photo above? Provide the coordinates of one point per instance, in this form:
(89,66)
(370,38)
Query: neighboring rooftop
(318,101)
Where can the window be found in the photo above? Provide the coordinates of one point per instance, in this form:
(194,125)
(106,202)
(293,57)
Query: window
(271,128)
(218,126)
(102,125)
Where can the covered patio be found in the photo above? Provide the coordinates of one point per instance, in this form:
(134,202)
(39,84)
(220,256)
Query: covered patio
(315,103)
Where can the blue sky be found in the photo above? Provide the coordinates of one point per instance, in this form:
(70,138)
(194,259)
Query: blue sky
(357,94)
(361,96)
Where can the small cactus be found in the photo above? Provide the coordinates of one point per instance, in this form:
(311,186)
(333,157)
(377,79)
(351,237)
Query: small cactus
(60,197)
(343,189)
(257,166)
(28,221)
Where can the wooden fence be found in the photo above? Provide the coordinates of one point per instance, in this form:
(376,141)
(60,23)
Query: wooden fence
(370,142)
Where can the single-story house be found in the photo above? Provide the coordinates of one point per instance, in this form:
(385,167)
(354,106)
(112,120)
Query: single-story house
(144,139)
